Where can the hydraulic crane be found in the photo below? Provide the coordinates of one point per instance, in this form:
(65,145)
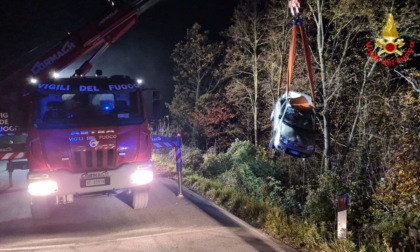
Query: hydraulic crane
(95,37)
(79,135)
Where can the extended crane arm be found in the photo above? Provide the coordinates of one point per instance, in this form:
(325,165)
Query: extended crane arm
(76,45)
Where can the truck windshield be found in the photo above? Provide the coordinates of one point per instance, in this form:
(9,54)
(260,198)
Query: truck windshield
(12,142)
(300,119)
(88,109)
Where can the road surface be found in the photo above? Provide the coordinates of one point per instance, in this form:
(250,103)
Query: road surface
(108,223)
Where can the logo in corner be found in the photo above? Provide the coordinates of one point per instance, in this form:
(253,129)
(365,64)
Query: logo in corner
(391,50)
(390,43)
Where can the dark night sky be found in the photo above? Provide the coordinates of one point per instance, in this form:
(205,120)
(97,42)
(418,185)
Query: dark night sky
(29,27)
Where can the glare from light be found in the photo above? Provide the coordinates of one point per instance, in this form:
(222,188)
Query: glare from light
(55,75)
(142,177)
(33,81)
(42,188)
(139,81)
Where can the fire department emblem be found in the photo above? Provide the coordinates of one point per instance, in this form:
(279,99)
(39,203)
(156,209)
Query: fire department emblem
(389,43)
(390,50)
(93,142)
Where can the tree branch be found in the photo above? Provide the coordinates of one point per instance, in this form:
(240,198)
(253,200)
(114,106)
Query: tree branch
(413,83)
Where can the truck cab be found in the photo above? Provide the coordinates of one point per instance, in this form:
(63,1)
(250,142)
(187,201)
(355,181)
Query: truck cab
(88,136)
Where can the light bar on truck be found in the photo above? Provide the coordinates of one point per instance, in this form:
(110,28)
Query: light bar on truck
(42,187)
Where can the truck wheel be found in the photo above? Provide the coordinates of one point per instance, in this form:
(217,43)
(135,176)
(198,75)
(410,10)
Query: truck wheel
(139,199)
(40,207)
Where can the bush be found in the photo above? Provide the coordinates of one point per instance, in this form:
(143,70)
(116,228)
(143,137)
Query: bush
(322,201)
(214,165)
(248,183)
(192,158)
(164,161)
(242,152)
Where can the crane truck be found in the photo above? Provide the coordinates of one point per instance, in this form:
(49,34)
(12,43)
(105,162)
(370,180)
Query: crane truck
(79,135)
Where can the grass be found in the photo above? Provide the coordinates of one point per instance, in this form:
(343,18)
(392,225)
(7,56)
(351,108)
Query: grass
(291,230)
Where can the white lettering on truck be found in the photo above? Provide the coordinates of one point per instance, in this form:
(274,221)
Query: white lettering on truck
(4,123)
(123,86)
(88,88)
(108,137)
(41,65)
(54,87)
(9,128)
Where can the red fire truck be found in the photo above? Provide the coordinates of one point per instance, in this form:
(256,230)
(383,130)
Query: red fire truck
(79,135)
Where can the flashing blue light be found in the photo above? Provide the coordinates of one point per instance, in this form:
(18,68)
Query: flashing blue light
(107,105)
(1,135)
(10,134)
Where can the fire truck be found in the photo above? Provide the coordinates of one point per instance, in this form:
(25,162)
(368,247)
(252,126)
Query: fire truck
(81,135)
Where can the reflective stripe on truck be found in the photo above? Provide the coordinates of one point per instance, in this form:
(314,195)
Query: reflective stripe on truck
(12,155)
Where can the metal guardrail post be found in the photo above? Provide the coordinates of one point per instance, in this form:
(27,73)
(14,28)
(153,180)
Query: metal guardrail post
(10,171)
(162,142)
(178,158)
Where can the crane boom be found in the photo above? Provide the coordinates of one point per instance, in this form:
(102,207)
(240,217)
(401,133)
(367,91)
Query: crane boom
(96,37)
(74,46)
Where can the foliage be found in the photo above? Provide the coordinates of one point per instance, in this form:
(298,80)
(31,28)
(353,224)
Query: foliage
(321,203)
(397,196)
(259,213)
(192,157)
(243,65)
(368,116)
(214,165)
(216,118)
(195,75)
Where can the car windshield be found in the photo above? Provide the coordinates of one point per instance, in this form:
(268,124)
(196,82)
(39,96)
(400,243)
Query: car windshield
(300,137)
(300,119)
(92,109)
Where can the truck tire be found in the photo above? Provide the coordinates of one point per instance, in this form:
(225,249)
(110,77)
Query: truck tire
(40,207)
(140,199)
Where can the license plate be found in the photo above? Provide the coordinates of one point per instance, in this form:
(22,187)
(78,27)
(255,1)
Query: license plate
(95,182)
(293,152)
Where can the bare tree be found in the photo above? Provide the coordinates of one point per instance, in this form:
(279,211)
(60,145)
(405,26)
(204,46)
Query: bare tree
(243,59)
(275,50)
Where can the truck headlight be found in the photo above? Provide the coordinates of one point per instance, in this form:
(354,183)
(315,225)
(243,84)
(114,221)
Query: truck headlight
(142,177)
(42,187)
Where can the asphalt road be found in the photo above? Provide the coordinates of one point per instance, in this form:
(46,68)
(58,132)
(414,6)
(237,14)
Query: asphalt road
(108,223)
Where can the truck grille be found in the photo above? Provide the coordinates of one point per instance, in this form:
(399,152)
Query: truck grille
(91,160)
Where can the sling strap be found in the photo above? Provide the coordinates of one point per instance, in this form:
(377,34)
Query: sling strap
(297,27)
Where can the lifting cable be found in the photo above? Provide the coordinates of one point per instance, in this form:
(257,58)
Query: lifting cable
(294,6)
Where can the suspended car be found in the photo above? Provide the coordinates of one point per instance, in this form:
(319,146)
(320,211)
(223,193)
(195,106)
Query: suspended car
(294,125)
